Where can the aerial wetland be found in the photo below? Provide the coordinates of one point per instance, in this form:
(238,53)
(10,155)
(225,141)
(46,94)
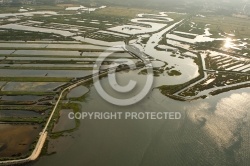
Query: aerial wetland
(200,64)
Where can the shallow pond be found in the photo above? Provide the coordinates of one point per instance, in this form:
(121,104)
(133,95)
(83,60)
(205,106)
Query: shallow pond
(17,138)
(21,98)
(44,73)
(31,86)
(18,113)
(2,83)
(83,59)
(152,23)
(176,142)
(78,65)
(37,29)
(27,14)
(64,122)
(6,52)
(47,52)
(158,64)
(77,92)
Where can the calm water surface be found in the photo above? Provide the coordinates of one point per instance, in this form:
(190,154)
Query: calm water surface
(210,132)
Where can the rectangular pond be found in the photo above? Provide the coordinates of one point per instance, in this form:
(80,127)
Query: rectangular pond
(44,73)
(31,86)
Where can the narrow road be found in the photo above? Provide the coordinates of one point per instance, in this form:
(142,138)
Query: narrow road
(43,135)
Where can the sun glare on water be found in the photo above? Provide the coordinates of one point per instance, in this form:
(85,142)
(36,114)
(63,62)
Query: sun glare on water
(228,43)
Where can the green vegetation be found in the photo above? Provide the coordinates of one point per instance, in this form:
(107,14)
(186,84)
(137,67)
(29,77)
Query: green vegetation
(34,79)
(218,80)
(216,44)
(38,120)
(83,97)
(217,64)
(14,93)
(217,24)
(35,108)
(14,8)
(75,107)
(3,102)
(170,90)
(197,28)
(70,57)
(220,24)
(118,11)
(106,37)
(144,40)
(10,34)
(143,72)
(174,73)
(53,49)
(216,92)
(186,35)
(46,68)
(102,19)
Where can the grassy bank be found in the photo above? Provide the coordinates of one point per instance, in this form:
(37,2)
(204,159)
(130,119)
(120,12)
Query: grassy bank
(35,79)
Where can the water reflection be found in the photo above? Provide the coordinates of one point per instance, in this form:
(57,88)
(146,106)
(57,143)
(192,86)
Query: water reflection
(228,43)
(209,132)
